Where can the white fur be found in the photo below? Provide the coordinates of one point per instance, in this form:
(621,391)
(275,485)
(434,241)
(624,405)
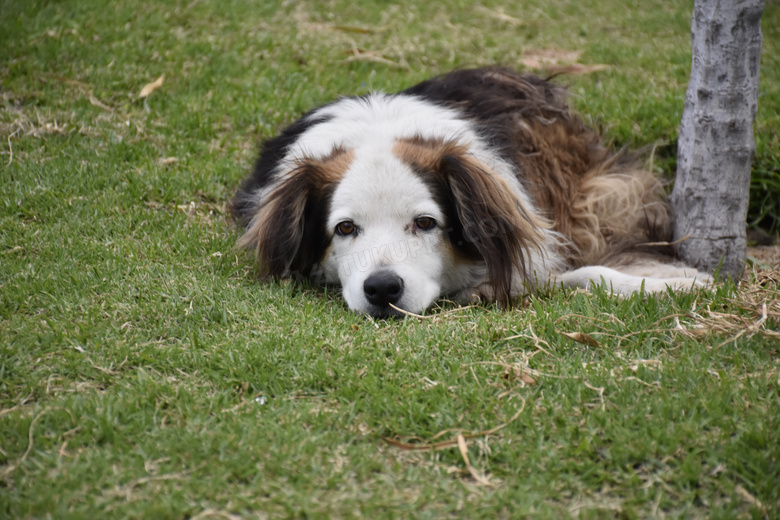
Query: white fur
(627,284)
(378,121)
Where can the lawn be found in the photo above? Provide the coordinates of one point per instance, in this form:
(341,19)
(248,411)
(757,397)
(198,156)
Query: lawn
(145,372)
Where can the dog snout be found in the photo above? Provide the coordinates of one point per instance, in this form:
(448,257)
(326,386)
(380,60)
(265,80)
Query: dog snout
(383,288)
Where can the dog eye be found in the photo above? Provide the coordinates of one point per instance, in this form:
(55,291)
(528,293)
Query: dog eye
(424,223)
(345,228)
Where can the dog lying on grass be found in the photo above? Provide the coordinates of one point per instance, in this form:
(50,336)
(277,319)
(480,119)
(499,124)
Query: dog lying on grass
(479,184)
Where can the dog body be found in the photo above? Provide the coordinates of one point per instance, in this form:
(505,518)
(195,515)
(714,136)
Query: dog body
(479,184)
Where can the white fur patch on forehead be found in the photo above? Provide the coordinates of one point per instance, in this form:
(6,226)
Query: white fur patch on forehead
(380,188)
(380,118)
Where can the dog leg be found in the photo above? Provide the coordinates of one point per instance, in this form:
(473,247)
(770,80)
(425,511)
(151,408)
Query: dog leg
(626,284)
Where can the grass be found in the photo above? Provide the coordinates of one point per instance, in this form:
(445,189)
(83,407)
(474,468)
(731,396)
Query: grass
(144,372)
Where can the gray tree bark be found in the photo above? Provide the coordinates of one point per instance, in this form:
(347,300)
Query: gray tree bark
(716,145)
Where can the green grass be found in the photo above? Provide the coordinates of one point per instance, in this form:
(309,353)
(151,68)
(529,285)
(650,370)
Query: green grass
(145,373)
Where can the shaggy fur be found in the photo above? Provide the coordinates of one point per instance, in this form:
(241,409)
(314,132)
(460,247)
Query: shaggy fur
(479,184)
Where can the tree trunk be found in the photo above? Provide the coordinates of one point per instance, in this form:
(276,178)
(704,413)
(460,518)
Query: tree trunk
(716,146)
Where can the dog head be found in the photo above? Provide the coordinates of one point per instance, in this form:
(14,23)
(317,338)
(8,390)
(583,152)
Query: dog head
(396,226)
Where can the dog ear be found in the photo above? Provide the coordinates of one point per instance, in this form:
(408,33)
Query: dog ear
(494,220)
(286,229)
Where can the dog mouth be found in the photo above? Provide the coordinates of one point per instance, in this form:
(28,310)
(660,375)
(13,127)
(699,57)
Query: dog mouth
(391,293)
(385,295)
(386,312)
(384,290)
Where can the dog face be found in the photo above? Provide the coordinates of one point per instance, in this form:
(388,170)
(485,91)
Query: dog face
(397,227)
(389,243)
(396,205)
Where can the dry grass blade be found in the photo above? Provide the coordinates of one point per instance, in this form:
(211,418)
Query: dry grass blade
(464,452)
(751,311)
(374,57)
(215,513)
(11,148)
(581,337)
(750,499)
(408,313)
(498,15)
(30,437)
(149,88)
(543,58)
(94,101)
(432,316)
(600,390)
(537,341)
(127,490)
(15,407)
(558,61)
(83,87)
(354,29)
(575,69)
(453,441)
(678,241)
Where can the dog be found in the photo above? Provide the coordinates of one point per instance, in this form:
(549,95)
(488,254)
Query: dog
(480,184)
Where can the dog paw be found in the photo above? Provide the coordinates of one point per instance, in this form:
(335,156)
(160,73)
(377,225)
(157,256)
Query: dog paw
(474,295)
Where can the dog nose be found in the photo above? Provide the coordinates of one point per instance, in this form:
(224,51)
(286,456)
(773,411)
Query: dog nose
(383,288)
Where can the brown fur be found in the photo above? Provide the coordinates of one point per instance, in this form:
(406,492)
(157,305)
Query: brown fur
(599,200)
(593,199)
(490,222)
(294,213)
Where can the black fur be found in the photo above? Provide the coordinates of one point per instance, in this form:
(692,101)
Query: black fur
(242,206)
